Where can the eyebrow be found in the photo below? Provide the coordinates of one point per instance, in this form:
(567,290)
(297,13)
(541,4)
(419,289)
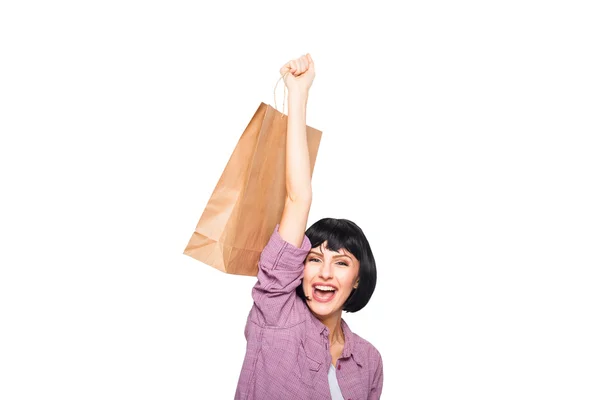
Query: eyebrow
(320,254)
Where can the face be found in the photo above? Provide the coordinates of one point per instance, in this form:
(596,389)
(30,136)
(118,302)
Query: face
(329,278)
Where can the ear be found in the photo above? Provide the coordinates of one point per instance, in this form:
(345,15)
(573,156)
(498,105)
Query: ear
(356,284)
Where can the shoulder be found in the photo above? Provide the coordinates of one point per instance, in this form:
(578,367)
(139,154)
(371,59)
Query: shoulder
(370,359)
(367,350)
(363,350)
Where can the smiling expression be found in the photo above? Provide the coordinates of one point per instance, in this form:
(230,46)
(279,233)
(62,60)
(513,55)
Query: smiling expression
(329,278)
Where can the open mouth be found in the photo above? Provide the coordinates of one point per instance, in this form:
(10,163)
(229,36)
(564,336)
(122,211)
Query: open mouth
(323,293)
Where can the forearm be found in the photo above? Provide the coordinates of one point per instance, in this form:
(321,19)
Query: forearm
(297,161)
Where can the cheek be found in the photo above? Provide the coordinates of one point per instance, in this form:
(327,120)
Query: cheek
(347,279)
(309,273)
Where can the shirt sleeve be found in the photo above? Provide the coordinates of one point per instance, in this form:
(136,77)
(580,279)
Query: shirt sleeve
(377,386)
(280,271)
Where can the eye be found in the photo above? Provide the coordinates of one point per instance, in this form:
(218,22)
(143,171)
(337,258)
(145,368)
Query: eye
(313,259)
(343,263)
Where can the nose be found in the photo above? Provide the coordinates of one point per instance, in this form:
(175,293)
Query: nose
(325,271)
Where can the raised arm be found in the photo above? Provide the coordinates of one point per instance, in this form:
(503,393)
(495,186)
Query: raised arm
(281,262)
(299,75)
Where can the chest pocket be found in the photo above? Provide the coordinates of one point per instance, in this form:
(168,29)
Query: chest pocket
(310,360)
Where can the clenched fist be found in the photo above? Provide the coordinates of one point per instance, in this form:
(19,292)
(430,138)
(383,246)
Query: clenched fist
(300,74)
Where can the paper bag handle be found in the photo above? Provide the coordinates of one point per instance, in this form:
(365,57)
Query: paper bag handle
(275,91)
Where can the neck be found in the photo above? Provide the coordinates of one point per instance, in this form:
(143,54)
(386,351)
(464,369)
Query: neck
(333,322)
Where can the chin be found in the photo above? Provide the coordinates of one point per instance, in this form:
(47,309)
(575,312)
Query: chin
(320,310)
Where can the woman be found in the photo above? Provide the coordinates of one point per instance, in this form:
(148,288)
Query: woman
(298,345)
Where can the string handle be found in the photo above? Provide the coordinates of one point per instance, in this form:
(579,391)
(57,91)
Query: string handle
(275,93)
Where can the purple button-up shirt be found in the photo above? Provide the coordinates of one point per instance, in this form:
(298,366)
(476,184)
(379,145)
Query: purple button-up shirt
(287,353)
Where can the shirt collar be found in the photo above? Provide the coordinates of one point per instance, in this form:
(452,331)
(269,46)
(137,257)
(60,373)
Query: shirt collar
(350,350)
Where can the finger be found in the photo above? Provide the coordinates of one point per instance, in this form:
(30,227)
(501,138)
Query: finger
(300,66)
(294,66)
(288,66)
(311,64)
(304,64)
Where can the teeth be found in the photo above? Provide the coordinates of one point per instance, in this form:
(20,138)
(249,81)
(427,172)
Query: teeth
(328,288)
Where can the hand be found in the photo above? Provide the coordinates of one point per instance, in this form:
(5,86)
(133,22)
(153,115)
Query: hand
(301,73)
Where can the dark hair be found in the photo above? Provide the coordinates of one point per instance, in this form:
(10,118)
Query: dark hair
(345,234)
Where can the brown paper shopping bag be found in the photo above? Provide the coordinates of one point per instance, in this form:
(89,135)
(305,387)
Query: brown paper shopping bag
(248,200)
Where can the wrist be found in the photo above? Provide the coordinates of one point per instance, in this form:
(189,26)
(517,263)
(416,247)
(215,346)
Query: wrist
(298,95)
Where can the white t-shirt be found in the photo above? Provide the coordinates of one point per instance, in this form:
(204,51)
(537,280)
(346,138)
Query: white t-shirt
(336,393)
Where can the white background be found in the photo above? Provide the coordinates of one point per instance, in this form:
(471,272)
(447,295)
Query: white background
(463,137)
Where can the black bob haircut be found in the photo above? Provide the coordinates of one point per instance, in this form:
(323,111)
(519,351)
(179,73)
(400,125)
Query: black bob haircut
(345,234)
